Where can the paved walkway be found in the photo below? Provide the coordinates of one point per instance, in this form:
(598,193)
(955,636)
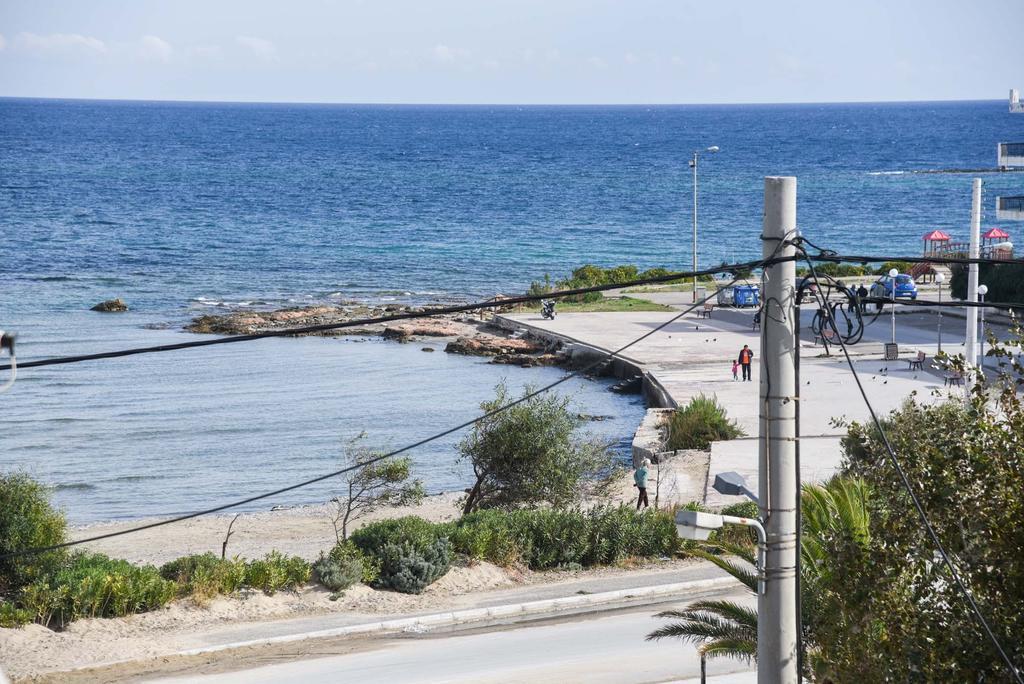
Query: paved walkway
(693,356)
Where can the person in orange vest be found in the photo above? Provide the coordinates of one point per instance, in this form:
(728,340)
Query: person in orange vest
(746,356)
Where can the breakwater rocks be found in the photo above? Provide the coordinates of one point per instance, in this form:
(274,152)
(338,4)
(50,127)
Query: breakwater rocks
(465,334)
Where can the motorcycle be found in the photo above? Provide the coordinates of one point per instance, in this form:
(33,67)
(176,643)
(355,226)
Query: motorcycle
(547,309)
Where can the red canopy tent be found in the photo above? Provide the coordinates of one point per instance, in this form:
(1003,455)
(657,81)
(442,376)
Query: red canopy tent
(932,241)
(995,234)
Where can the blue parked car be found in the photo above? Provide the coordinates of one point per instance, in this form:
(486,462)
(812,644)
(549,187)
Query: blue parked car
(905,287)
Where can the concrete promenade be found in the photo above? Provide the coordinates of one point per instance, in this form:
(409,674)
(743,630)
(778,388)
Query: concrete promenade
(694,356)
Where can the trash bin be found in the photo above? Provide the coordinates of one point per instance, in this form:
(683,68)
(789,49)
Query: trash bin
(746,295)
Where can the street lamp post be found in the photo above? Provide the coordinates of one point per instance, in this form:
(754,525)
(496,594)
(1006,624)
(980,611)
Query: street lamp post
(693,165)
(940,278)
(892,282)
(982,291)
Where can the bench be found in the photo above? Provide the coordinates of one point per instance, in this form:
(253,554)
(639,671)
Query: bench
(706,311)
(954,378)
(917,363)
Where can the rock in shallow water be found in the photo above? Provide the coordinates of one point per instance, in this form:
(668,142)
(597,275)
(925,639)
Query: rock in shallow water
(111,305)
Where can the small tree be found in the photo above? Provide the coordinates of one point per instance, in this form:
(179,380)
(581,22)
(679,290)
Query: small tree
(530,454)
(372,485)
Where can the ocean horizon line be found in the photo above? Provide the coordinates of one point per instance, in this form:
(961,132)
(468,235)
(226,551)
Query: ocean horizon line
(536,105)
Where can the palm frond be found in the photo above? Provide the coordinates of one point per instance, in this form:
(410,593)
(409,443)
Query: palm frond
(740,614)
(745,576)
(741,649)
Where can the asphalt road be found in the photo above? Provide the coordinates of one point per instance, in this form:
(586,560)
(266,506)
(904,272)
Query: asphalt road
(594,648)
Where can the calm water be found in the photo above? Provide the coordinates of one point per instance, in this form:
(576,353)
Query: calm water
(187,208)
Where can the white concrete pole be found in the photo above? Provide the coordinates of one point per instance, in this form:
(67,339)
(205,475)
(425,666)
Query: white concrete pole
(779,481)
(970,343)
(694,226)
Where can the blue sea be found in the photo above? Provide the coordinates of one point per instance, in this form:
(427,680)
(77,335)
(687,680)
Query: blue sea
(188,208)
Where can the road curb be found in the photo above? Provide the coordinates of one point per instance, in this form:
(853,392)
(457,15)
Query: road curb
(534,609)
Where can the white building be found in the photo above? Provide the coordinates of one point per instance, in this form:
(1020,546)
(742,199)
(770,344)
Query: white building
(1016,107)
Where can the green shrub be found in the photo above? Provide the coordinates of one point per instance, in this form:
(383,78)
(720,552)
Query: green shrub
(203,576)
(549,538)
(27,520)
(371,539)
(275,572)
(94,585)
(343,566)
(489,535)
(1005,282)
(13,616)
(410,570)
(901,266)
(699,423)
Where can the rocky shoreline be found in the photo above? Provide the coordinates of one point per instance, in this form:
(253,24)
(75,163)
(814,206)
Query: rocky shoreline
(465,334)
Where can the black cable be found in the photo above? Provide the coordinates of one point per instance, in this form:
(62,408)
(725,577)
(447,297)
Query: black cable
(217,509)
(917,503)
(354,323)
(493,303)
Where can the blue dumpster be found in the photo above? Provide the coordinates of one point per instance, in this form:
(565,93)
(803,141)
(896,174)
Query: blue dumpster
(746,295)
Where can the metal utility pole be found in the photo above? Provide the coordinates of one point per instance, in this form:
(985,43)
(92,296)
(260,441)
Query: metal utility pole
(779,481)
(970,346)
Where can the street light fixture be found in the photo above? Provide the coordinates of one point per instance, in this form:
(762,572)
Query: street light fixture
(892,282)
(693,165)
(982,291)
(733,484)
(698,526)
(940,278)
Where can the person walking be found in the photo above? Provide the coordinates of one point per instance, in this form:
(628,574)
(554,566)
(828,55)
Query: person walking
(745,357)
(640,480)
(735,371)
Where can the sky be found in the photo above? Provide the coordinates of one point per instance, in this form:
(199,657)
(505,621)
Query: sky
(512,51)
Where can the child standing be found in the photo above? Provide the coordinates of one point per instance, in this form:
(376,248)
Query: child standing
(735,371)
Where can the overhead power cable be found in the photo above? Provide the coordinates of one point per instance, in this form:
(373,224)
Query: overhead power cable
(910,490)
(510,301)
(391,318)
(444,433)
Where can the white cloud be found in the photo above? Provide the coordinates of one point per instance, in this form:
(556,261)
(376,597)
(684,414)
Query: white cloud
(155,48)
(677,61)
(261,47)
(58,43)
(444,53)
(630,58)
(3,41)
(490,64)
(597,62)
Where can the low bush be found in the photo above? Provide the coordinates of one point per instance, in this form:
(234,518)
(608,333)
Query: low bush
(275,572)
(13,616)
(547,538)
(94,585)
(489,535)
(27,520)
(371,539)
(410,570)
(699,423)
(203,576)
(343,566)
